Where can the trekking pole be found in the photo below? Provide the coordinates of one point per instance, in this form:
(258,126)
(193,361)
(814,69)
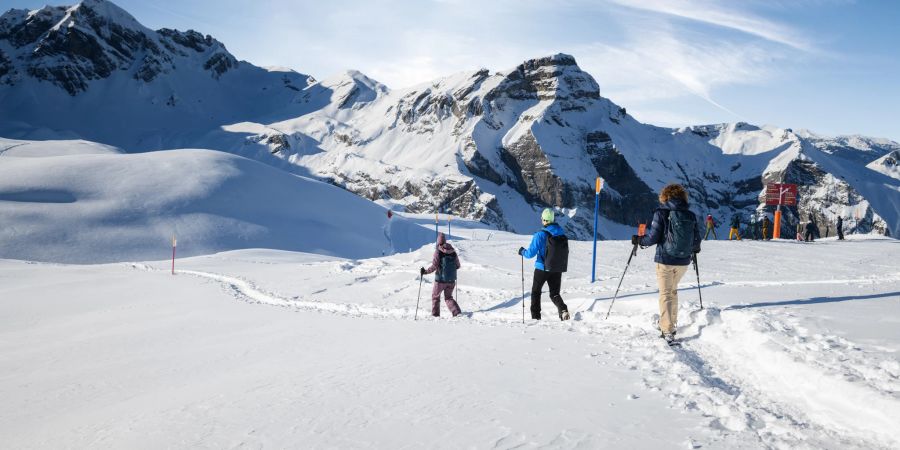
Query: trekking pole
(523,287)
(694,260)
(418,298)
(633,252)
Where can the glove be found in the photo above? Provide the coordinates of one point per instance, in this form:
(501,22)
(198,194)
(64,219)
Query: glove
(421,271)
(697,251)
(635,240)
(521,250)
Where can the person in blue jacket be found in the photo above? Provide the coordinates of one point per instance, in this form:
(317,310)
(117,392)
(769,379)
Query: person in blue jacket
(538,248)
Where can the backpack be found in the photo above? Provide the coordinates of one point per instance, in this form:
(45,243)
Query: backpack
(446,272)
(556,253)
(679,241)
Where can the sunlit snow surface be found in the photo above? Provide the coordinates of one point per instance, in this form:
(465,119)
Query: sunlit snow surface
(796,348)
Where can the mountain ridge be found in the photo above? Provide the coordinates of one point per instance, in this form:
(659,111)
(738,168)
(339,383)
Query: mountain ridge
(492,146)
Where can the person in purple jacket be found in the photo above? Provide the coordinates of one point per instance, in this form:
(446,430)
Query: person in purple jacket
(444,263)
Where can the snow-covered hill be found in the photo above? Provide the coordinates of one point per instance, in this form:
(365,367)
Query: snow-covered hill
(491,146)
(100,206)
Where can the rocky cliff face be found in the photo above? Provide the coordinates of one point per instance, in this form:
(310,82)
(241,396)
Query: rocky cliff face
(71,46)
(94,59)
(492,146)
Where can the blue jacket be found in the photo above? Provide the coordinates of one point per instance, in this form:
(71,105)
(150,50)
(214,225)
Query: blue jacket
(657,234)
(538,244)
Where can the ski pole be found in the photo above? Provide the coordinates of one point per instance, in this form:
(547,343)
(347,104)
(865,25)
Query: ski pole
(633,252)
(522,257)
(418,298)
(697,271)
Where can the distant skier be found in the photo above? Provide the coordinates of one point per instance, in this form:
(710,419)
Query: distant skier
(445,263)
(676,234)
(810,231)
(799,231)
(551,247)
(840,228)
(765,227)
(710,227)
(735,227)
(754,231)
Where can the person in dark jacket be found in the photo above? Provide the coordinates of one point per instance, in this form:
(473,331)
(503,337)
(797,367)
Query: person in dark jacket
(810,231)
(538,248)
(765,227)
(443,252)
(735,227)
(840,228)
(669,269)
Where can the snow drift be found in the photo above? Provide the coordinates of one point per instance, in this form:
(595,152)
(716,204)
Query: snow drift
(92,208)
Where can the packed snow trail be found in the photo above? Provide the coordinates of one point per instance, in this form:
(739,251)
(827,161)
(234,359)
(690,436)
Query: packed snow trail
(758,379)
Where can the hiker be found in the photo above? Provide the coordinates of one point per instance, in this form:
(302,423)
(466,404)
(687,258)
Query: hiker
(799,231)
(765,227)
(445,263)
(551,247)
(676,234)
(710,226)
(754,231)
(810,231)
(735,227)
(840,228)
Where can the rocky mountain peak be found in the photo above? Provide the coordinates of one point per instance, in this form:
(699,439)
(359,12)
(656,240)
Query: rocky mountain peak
(92,40)
(555,77)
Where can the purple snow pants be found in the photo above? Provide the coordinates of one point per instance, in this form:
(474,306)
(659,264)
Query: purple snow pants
(447,289)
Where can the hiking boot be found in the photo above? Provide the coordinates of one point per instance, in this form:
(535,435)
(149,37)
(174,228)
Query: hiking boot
(564,315)
(669,337)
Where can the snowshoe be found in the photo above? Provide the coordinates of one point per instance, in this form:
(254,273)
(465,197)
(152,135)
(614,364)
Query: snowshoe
(564,315)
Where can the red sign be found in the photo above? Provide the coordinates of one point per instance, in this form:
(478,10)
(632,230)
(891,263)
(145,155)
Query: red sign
(781,194)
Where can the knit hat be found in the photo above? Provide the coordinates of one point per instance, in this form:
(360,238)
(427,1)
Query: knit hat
(547,215)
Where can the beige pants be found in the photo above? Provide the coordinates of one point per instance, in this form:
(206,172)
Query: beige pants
(668,277)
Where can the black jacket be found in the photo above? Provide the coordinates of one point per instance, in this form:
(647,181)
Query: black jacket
(657,234)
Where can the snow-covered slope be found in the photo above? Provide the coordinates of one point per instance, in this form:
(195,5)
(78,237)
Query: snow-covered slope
(273,349)
(102,207)
(491,146)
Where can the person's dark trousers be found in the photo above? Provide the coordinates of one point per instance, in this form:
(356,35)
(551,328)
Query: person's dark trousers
(840,234)
(554,281)
(809,236)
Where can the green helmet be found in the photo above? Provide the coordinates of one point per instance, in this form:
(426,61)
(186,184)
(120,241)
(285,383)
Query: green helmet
(547,215)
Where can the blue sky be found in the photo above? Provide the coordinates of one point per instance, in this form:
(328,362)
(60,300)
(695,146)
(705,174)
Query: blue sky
(830,66)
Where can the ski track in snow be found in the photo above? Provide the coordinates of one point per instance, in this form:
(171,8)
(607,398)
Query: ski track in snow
(775,390)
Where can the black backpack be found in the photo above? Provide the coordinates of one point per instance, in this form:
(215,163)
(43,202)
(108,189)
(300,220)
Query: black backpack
(680,227)
(446,272)
(556,253)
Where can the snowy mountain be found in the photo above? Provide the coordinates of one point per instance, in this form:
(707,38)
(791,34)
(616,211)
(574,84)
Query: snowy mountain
(92,71)
(499,147)
(491,146)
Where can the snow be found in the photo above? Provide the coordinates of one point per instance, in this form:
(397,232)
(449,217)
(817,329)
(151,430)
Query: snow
(269,348)
(90,208)
(39,149)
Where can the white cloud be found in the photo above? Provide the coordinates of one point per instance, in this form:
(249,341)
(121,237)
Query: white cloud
(727,15)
